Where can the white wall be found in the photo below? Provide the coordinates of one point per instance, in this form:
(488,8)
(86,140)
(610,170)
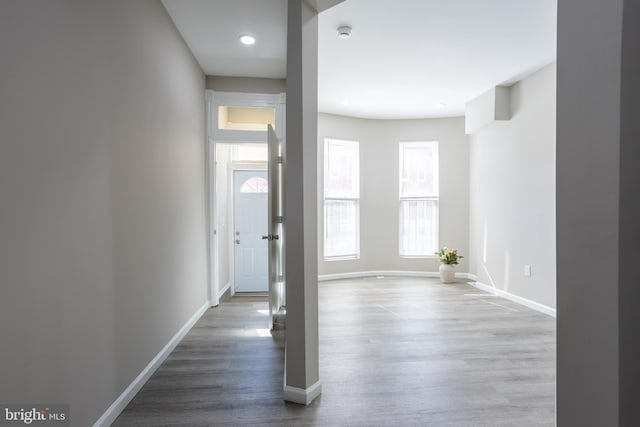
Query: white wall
(379,206)
(102,218)
(223,214)
(512,204)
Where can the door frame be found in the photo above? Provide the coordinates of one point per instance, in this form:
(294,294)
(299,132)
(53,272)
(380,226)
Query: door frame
(210,205)
(213,136)
(237,167)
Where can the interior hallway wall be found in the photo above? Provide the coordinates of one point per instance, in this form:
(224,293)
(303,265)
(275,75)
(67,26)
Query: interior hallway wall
(513,194)
(246,84)
(379,188)
(102,219)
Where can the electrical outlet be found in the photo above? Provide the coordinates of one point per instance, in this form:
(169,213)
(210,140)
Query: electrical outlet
(527,270)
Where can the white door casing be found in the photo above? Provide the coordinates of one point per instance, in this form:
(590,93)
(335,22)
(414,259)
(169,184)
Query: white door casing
(217,247)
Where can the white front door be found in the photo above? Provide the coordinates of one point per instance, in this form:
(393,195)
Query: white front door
(251,273)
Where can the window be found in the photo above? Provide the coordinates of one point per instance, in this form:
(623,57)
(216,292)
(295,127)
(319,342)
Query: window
(246,118)
(418,199)
(255,185)
(341,199)
(250,152)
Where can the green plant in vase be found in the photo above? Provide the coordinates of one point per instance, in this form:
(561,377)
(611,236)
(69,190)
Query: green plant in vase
(448,258)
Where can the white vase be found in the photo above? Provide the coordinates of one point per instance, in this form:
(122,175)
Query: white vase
(447,273)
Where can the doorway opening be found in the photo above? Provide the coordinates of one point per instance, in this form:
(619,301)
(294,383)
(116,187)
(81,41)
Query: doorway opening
(240,217)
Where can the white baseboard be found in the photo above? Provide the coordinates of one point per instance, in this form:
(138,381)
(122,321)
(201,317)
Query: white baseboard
(129,393)
(392,273)
(224,289)
(302,396)
(515,298)
(373,273)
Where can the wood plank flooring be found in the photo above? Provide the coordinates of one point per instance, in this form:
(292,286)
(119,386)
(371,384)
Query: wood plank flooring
(393,352)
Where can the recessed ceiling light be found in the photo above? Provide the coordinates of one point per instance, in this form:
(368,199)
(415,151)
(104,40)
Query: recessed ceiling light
(247,39)
(344,32)
(344,102)
(441,105)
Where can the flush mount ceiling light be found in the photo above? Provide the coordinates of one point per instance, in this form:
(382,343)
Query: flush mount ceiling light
(247,39)
(344,32)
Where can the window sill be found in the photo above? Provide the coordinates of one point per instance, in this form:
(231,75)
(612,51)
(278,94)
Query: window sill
(419,256)
(342,258)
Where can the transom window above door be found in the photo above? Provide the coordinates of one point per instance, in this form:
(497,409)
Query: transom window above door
(246,118)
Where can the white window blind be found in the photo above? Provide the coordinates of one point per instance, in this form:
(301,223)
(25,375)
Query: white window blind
(341,199)
(418,219)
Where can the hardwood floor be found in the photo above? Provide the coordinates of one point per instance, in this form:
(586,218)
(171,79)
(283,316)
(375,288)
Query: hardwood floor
(393,352)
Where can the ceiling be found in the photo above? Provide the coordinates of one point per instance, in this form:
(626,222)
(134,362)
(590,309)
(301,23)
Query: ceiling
(405,58)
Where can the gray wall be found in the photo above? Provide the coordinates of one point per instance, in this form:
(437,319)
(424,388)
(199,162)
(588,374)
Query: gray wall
(246,84)
(379,206)
(512,206)
(102,226)
(301,269)
(629,213)
(598,206)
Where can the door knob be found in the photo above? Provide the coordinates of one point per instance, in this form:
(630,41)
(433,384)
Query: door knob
(271,237)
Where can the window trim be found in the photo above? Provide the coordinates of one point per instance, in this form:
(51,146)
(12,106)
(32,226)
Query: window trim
(435,198)
(341,257)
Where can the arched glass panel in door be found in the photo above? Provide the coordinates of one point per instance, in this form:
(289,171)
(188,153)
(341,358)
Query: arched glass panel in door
(255,184)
